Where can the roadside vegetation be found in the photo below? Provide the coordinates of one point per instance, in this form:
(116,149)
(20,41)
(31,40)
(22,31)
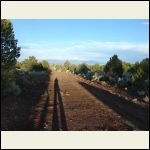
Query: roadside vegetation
(16,77)
(125,76)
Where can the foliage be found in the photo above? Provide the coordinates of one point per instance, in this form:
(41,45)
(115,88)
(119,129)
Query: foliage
(29,63)
(82,69)
(67,65)
(18,65)
(11,89)
(122,74)
(140,74)
(73,68)
(26,79)
(99,76)
(9,54)
(126,66)
(95,68)
(45,65)
(9,51)
(89,75)
(32,64)
(112,80)
(114,66)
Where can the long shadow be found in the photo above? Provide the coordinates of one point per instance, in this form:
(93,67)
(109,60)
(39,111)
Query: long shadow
(21,118)
(44,113)
(136,114)
(55,123)
(58,100)
(38,91)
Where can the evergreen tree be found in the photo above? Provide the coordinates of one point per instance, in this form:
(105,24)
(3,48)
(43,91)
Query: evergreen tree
(114,65)
(9,51)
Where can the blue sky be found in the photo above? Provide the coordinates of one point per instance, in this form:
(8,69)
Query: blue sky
(83,39)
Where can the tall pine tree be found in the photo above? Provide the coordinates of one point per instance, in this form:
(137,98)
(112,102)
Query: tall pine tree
(9,50)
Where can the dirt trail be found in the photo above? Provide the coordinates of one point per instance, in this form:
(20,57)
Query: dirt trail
(73,104)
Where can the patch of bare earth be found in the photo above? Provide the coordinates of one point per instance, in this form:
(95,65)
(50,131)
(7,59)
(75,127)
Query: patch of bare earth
(75,104)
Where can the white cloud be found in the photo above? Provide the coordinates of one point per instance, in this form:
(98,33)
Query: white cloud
(124,46)
(88,50)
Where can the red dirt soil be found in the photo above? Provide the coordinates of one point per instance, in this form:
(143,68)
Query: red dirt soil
(70,103)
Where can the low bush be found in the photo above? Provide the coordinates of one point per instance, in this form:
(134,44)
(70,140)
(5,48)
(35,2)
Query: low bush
(99,76)
(11,89)
(112,80)
(32,64)
(89,75)
(26,79)
(82,69)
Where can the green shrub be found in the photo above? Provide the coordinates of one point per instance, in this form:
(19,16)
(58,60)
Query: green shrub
(45,65)
(89,75)
(95,68)
(82,69)
(12,89)
(66,65)
(114,66)
(140,73)
(37,67)
(32,64)
(99,76)
(29,63)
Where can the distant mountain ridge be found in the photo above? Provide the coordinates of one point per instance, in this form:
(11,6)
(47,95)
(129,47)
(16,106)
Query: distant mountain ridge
(56,61)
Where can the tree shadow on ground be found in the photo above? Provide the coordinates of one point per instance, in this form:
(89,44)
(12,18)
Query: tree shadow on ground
(136,114)
(18,110)
(36,94)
